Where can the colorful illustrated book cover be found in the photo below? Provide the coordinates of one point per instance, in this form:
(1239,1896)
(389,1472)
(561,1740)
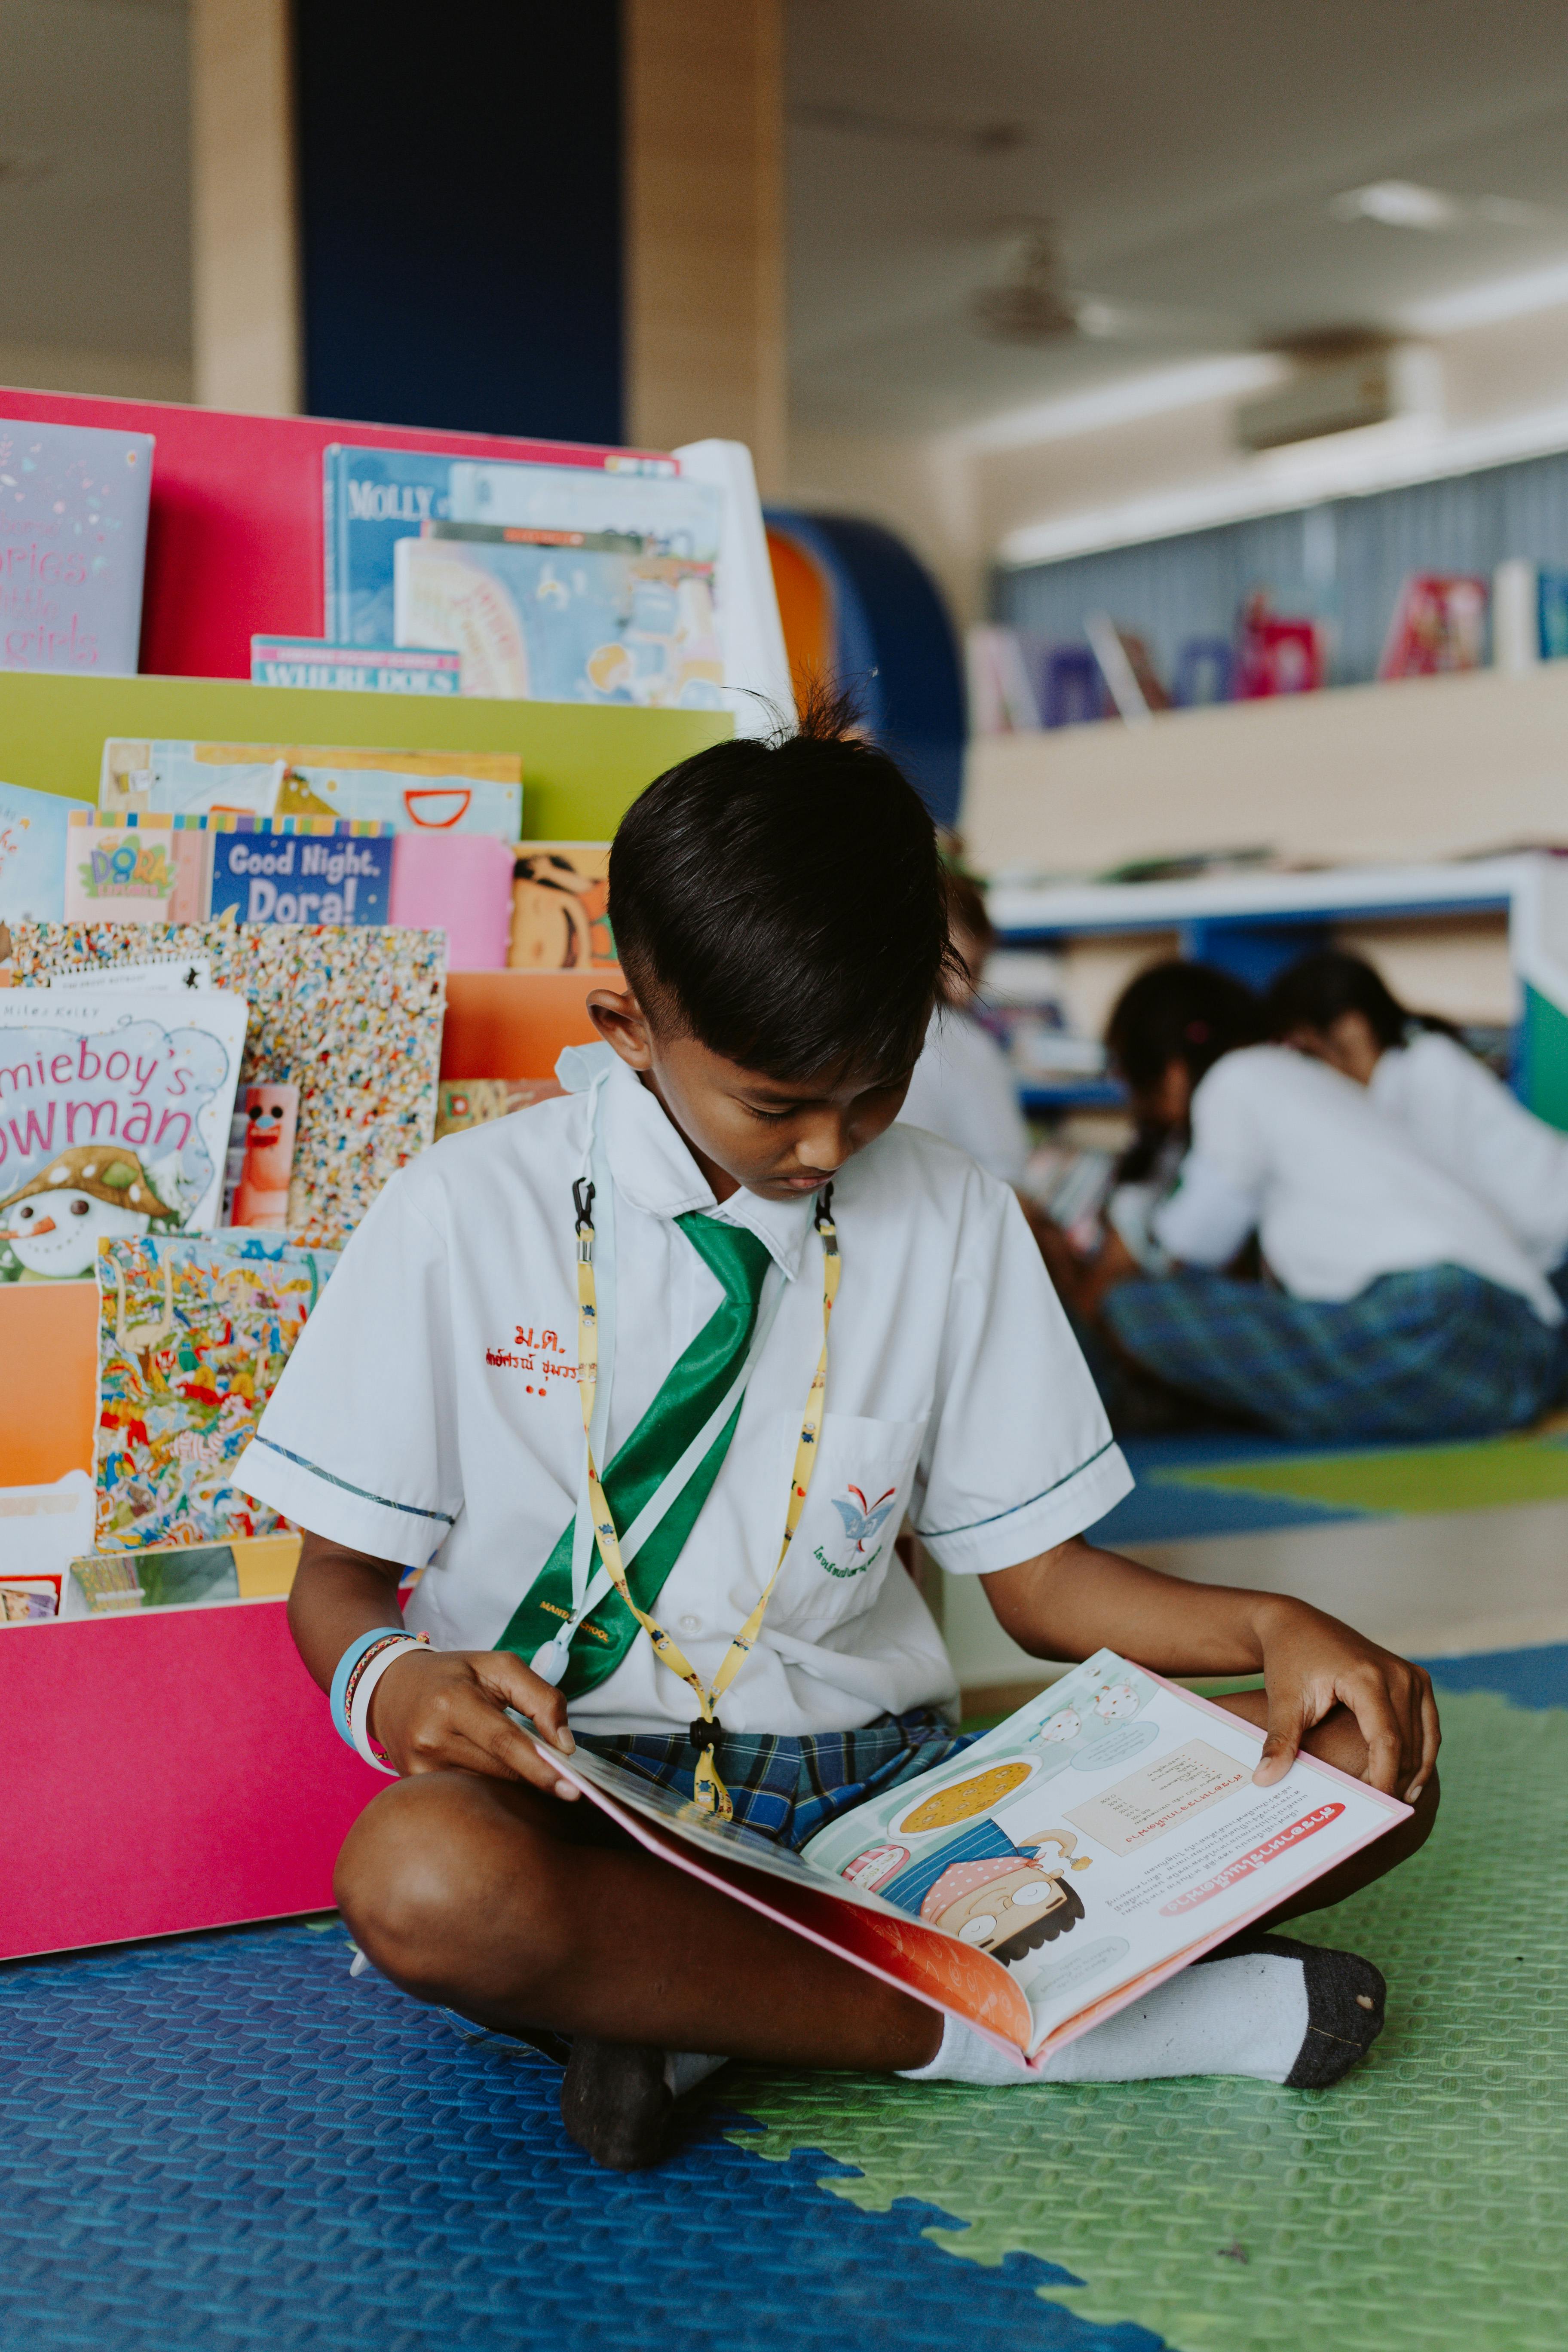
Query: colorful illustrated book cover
(194,1334)
(126,778)
(114,1117)
(33,854)
(560,906)
(1439,625)
(271,1127)
(462,1103)
(137,869)
(349,669)
(372,498)
(553,624)
(351,1017)
(73,545)
(452,803)
(299,870)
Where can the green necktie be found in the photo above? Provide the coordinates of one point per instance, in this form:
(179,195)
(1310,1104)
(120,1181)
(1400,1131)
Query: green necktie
(697,1383)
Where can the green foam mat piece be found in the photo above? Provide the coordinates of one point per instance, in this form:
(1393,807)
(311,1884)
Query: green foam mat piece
(1421,2205)
(1477,1476)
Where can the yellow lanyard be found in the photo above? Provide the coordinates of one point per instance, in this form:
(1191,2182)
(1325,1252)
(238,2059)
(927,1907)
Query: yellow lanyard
(710,1792)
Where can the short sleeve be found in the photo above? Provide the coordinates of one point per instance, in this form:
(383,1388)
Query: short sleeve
(359,1442)
(1018,1453)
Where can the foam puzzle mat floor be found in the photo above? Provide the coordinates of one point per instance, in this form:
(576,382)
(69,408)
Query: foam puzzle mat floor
(221,2141)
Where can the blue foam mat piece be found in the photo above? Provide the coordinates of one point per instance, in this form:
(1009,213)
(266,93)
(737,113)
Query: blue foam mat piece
(221,2141)
(1533,1678)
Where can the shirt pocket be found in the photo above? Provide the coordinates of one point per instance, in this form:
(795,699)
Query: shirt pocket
(844,1544)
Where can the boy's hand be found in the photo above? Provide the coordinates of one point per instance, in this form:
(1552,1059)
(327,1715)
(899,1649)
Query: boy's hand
(441,1710)
(1312,1664)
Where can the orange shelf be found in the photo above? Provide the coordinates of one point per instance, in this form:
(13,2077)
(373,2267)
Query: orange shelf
(513,1024)
(49,1380)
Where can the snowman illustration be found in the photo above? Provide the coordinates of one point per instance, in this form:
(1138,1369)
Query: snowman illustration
(89,1193)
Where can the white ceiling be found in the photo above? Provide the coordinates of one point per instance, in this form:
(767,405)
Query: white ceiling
(95,177)
(1187,151)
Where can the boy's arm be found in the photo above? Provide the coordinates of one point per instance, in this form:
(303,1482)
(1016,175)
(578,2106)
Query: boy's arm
(448,1709)
(1069,1602)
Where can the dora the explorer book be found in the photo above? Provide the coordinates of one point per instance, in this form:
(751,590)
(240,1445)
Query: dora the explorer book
(1104,1836)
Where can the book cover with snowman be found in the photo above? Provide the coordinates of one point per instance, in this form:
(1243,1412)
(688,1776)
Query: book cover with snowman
(1104,1836)
(114,1117)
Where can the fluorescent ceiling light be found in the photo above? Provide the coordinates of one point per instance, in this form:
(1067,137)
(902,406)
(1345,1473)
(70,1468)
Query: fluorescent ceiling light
(1399,204)
(1343,465)
(1120,401)
(1494,300)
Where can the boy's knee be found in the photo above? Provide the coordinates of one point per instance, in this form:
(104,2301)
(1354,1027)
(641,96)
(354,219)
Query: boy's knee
(426,1863)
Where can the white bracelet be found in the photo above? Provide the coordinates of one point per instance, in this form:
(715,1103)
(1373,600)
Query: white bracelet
(364,1690)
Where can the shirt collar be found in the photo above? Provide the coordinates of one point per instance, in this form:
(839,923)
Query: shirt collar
(655,1171)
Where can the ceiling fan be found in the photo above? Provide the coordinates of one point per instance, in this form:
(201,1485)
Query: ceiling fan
(1032,303)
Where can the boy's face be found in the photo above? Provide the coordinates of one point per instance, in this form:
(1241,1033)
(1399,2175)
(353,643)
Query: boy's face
(779,1139)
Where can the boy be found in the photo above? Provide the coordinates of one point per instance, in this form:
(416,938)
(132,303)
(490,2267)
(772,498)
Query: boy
(727,1155)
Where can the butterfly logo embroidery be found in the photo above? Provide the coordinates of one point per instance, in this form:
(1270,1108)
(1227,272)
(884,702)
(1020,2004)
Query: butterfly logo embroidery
(861,1519)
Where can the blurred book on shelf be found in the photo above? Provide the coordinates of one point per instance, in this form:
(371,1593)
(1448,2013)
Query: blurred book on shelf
(438,792)
(73,547)
(1279,653)
(463,1103)
(33,827)
(350,669)
(1439,625)
(560,907)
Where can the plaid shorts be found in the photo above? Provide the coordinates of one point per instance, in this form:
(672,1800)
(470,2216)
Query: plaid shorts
(789,1788)
(1436,1352)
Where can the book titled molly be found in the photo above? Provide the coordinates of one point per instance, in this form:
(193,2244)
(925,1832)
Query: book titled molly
(73,544)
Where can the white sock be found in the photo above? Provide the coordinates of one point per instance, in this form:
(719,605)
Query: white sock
(1246,2015)
(684,2069)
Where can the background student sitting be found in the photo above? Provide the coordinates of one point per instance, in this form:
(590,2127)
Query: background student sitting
(1416,1070)
(1395,1304)
(963,1088)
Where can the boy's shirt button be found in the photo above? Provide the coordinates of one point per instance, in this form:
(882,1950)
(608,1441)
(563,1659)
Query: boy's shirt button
(691,1625)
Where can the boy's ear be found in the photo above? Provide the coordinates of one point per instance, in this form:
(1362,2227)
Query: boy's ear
(622,1022)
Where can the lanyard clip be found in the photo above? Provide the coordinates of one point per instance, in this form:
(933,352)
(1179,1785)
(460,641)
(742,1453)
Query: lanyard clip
(825,1207)
(582,1201)
(703,1734)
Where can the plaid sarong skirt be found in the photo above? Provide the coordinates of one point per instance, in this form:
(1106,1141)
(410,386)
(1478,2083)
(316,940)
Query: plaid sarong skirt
(1436,1352)
(788,1788)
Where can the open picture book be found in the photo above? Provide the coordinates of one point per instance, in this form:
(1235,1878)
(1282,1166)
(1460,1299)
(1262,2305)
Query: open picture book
(1104,1836)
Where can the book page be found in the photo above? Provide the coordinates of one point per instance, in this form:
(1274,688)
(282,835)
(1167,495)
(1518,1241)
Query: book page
(1104,1834)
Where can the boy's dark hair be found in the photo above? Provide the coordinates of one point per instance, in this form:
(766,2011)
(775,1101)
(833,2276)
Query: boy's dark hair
(967,908)
(1314,993)
(1178,1011)
(782,901)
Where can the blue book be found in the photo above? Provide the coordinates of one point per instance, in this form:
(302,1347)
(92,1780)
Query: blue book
(371,498)
(33,827)
(299,870)
(73,545)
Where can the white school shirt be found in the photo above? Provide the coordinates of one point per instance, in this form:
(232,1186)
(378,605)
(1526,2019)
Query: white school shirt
(1337,1193)
(1466,1120)
(964,1091)
(430,1412)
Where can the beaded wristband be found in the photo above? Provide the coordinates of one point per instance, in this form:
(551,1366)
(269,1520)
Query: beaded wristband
(361,1690)
(356,1650)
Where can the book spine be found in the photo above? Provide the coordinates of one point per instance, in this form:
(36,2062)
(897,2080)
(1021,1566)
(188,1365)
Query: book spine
(331,617)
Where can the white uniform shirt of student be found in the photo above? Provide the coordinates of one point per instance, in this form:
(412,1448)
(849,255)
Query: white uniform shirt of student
(431,1414)
(1337,1193)
(964,1091)
(1466,1121)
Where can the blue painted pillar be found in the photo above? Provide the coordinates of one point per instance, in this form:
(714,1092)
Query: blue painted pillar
(460,213)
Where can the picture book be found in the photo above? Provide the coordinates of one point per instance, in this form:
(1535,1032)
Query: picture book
(1104,1836)
(42,1528)
(351,1016)
(114,1114)
(269,1119)
(111,1583)
(657,515)
(373,498)
(153,971)
(560,906)
(434,788)
(192,1336)
(473,1102)
(33,854)
(73,546)
(458,883)
(348,669)
(299,870)
(137,869)
(558,624)
(1439,624)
